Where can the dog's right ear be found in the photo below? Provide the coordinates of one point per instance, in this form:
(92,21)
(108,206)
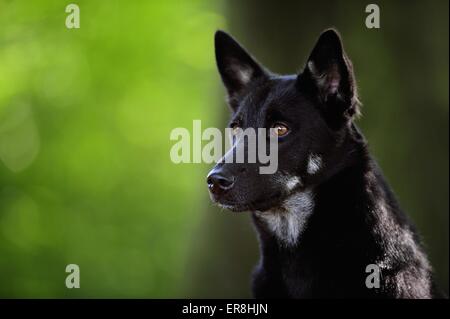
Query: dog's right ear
(236,67)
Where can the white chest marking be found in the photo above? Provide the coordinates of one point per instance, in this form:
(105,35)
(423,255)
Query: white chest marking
(292,182)
(289,221)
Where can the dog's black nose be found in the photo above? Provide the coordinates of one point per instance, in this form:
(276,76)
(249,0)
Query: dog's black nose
(218,183)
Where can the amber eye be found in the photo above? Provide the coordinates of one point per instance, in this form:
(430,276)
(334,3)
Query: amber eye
(280,129)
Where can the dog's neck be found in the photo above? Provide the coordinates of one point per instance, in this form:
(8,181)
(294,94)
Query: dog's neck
(288,221)
(309,217)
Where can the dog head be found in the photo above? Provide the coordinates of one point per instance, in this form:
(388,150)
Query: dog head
(310,113)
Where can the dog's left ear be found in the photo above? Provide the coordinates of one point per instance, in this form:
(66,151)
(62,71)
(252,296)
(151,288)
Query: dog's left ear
(237,67)
(328,75)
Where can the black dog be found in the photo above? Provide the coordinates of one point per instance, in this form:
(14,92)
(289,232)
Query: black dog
(329,226)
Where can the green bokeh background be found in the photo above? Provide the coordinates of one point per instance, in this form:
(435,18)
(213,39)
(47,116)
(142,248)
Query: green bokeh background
(86,114)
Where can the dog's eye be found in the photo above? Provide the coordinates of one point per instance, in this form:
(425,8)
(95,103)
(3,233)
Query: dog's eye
(280,129)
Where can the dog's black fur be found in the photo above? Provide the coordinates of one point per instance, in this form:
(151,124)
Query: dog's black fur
(352,220)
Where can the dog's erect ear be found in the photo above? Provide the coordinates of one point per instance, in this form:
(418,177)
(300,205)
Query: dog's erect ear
(236,67)
(328,75)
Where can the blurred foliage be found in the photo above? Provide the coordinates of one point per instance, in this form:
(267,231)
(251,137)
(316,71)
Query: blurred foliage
(85,118)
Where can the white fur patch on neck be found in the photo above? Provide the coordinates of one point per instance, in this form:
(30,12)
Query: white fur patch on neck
(314,164)
(292,182)
(289,221)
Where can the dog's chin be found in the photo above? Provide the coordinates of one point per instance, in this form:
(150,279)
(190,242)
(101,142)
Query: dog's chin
(236,208)
(261,205)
